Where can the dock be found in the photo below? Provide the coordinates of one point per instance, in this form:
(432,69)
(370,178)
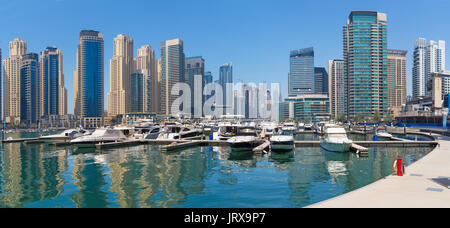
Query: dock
(262,147)
(178,146)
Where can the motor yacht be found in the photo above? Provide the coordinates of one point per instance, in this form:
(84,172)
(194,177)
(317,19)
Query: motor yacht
(246,139)
(148,132)
(101,135)
(282,142)
(178,132)
(336,140)
(382,133)
(67,134)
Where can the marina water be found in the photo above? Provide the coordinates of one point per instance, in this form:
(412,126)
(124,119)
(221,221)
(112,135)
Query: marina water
(39,175)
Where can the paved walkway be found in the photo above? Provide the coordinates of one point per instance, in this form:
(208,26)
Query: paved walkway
(426,184)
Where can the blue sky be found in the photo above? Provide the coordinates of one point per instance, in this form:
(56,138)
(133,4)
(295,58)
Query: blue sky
(256,36)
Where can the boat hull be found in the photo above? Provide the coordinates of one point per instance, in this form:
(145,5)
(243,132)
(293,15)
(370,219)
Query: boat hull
(245,146)
(282,146)
(335,147)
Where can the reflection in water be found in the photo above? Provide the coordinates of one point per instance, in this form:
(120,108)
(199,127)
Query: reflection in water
(44,176)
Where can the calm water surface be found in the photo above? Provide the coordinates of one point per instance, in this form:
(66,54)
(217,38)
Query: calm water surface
(45,176)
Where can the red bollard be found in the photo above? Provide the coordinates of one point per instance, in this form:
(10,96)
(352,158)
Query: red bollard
(399,167)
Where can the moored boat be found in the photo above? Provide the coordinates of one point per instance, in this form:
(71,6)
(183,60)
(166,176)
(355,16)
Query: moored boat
(336,140)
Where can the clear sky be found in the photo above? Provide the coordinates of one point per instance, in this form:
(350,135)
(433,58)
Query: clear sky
(256,36)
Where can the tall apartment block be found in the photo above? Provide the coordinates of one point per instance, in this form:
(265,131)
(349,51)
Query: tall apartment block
(172,72)
(89,76)
(146,65)
(30,89)
(337,87)
(121,68)
(428,58)
(226,78)
(396,78)
(53,93)
(365,57)
(195,68)
(11,81)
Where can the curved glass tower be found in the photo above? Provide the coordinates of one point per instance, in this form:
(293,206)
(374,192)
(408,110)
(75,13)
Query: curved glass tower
(89,81)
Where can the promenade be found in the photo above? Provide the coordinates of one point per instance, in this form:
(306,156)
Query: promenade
(426,184)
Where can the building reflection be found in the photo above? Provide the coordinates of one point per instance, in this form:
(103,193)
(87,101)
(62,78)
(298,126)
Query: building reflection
(29,174)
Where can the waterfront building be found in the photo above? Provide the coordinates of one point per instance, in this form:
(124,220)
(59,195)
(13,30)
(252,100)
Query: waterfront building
(137,92)
(305,107)
(11,81)
(365,58)
(146,64)
(121,68)
(172,72)
(337,88)
(53,92)
(428,58)
(89,78)
(195,67)
(226,81)
(396,78)
(301,72)
(320,80)
(29,90)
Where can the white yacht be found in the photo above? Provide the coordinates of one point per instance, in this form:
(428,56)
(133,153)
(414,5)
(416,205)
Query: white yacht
(336,140)
(282,142)
(101,135)
(308,126)
(246,138)
(244,142)
(382,133)
(67,134)
(225,131)
(178,132)
(149,132)
(267,128)
(289,126)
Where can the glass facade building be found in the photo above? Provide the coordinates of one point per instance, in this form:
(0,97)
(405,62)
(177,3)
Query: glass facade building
(320,80)
(195,66)
(29,89)
(365,56)
(172,72)
(53,93)
(137,87)
(305,107)
(226,77)
(89,78)
(301,72)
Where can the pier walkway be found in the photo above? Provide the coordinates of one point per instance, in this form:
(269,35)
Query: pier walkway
(426,184)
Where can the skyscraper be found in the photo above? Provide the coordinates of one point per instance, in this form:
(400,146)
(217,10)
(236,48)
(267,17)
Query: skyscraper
(53,93)
(226,78)
(172,72)
(89,75)
(365,56)
(429,57)
(195,66)
(301,72)
(146,64)
(396,78)
(29,89)
(11,80)
(320,80)
(1,79)
(121,68)
(337,88)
